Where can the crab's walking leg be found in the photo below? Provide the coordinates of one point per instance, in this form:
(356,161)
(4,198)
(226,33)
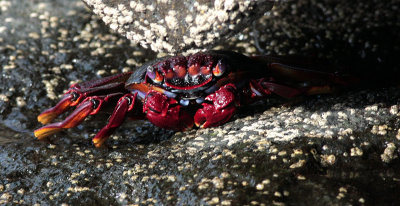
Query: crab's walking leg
(72,120)
(79,92)
(294,77)
(302,69)
(124,105)
(90,106)
(315,82)
(300,74)
(262,87)
(51,113)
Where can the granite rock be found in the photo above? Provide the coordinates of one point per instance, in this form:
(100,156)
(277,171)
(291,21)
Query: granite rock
(179,25)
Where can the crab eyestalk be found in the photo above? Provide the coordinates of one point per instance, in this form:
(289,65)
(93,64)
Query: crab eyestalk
(154,75)
(219,69)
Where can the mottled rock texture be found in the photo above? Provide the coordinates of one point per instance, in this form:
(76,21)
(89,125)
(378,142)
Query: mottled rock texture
(336,149)
(178,25)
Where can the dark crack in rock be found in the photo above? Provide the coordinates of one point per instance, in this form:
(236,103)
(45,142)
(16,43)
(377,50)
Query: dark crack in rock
(336,149)
(179,25)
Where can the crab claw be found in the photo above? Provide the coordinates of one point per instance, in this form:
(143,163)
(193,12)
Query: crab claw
(48,115)
(220,111)
(75,118)
(166,113)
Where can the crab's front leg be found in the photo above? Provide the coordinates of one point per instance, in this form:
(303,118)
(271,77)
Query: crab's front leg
(218,107)
(99,94)
(125,105)
(78,92)
(91,106)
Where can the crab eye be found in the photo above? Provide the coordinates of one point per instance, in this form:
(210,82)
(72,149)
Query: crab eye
(219,69)
(154,75)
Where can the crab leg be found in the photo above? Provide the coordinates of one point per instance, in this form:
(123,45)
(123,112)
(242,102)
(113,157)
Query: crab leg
(319,82)
(304,70)
(51,113)
(90,106)
(262,87)
(79,92)
(72,120)
(291,77)
(124,105)
(303,75)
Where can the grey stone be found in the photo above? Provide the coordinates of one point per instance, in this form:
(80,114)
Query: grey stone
(178,25)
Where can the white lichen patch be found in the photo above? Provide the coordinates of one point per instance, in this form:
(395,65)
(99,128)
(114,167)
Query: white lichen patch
(168,29)
(298,164)
(394,109)
(4,98)
(398,134)
(389,153)
(171,178)
(213,201)
(20,101)
(328,160)
(171,20)
(371,108)
(5,198)
(4,5)
(356,151)
(218,183)
(78,189)
(379,129)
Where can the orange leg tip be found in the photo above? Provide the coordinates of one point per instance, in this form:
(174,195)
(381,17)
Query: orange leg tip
(200,125)
(51,113)
(46,117)
(98,142)
(43,132)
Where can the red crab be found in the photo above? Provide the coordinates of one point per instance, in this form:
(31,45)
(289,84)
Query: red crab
(176,93)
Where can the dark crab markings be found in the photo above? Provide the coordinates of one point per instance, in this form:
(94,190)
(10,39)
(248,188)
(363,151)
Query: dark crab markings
(186,79)
(190,79)
(184,73)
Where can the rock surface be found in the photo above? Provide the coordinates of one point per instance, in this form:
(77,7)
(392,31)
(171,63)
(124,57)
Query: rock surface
(179,25)
(334,149)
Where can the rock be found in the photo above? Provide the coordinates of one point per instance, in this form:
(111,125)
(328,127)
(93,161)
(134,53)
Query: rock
(179,25)
(335,149)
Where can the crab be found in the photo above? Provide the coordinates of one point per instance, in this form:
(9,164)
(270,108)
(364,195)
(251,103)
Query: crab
(181,92)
